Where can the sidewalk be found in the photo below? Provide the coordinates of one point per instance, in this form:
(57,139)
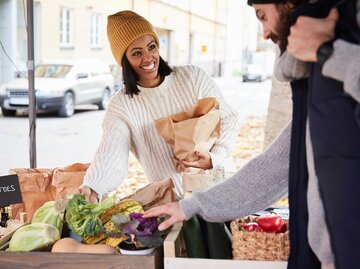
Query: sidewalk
(250,99)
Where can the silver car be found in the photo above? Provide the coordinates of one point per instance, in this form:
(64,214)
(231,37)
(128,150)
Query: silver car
(254,72)
(60,86)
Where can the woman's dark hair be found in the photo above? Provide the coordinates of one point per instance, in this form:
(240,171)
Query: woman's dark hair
(131,78)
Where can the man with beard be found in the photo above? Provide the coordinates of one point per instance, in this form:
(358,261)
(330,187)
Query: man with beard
(320,57)
(323,51)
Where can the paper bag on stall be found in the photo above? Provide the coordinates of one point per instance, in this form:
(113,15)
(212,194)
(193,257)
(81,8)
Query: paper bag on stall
(36,189)
(67,180)
(155,194)
(193,130)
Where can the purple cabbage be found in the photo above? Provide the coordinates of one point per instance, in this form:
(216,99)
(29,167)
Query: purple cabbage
(146,226)
(145,231)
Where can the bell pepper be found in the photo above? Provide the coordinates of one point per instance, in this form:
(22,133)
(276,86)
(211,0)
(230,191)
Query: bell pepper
(252,227)
(272,224)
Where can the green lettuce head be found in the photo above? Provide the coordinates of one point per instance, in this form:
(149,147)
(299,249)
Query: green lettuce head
(51,212)
(34,236)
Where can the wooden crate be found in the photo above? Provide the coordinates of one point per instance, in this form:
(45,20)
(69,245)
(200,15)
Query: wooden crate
(174,257)
(37,259)
(24,260)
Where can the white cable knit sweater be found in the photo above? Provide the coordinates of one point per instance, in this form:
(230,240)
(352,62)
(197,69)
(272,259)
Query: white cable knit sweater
(129,126)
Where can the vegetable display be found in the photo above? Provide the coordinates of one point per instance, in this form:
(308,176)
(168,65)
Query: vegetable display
(272,224)
(106,224)
(125,206)
(266,223)
(136,229)
(52,213)
(33,236)
(70,245)
(45,228)
(83,217)
(252,227)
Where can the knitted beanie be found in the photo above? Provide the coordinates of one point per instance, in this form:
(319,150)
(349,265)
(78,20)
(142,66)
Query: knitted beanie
(123,28)
(250,2)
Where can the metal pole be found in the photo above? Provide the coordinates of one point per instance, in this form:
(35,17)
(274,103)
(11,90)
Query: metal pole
(32,100)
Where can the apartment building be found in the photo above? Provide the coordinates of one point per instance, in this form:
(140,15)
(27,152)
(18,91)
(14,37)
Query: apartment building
(190,31)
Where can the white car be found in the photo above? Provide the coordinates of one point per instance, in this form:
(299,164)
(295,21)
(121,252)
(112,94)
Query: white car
(254,72)
(60,86)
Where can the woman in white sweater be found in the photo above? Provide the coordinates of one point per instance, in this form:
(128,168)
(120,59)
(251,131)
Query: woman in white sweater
(152,90)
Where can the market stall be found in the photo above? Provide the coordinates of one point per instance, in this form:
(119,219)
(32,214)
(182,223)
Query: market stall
(62,230)
(57,183)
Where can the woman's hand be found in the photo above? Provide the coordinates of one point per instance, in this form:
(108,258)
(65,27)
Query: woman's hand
(91,196)
(173,210)
(204,161)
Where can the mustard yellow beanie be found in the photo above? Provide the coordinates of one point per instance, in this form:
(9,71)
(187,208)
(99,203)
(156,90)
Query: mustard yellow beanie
(123,28)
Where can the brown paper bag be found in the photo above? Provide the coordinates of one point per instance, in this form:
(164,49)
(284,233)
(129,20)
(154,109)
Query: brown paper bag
(67,180)
(197,182)
(201,180)
(154,194)
(36,189)
(194,130)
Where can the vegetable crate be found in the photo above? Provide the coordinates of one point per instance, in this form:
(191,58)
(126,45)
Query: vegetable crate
(175,257)
(43,259)
(258,245)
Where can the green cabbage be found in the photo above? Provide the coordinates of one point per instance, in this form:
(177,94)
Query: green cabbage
(34,236)
(52,213)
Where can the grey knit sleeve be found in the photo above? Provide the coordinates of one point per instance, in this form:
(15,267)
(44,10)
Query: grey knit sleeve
(259,184)
(344,65)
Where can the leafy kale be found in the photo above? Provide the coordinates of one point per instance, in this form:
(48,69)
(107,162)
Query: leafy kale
(83,217)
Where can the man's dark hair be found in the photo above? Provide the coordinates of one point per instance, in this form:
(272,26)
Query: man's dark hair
(296,3)
(131,78)
(293,2)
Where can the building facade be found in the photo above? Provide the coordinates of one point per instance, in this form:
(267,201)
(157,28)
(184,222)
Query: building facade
(190,31)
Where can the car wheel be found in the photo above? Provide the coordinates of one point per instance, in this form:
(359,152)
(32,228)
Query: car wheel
(68,107)
(105,100)
(7,112)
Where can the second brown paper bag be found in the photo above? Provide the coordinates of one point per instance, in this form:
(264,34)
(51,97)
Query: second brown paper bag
(193,130)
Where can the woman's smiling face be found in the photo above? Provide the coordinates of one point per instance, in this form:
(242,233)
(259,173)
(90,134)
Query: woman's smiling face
(143,56)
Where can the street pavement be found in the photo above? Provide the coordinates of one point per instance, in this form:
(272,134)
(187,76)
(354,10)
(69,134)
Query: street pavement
(63,141)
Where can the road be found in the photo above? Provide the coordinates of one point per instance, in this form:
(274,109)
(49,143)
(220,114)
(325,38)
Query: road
(63,141)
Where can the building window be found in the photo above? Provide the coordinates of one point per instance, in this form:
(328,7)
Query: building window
(95,30)
(66,28)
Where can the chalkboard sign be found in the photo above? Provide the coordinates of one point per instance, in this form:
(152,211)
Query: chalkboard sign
(9,190)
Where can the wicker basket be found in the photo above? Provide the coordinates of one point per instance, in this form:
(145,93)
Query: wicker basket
(258,245)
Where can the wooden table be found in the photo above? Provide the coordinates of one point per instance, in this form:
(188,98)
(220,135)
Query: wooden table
(36,259)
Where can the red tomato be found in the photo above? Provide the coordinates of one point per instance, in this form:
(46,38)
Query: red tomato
(272,224)
(252,227)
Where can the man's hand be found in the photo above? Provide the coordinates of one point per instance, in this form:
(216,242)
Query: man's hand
(90,195)
(173,210)
(204,161)
(307,34)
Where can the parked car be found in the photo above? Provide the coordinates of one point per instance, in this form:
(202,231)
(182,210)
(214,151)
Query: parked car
(116,71)
(254,72)
(60,86)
